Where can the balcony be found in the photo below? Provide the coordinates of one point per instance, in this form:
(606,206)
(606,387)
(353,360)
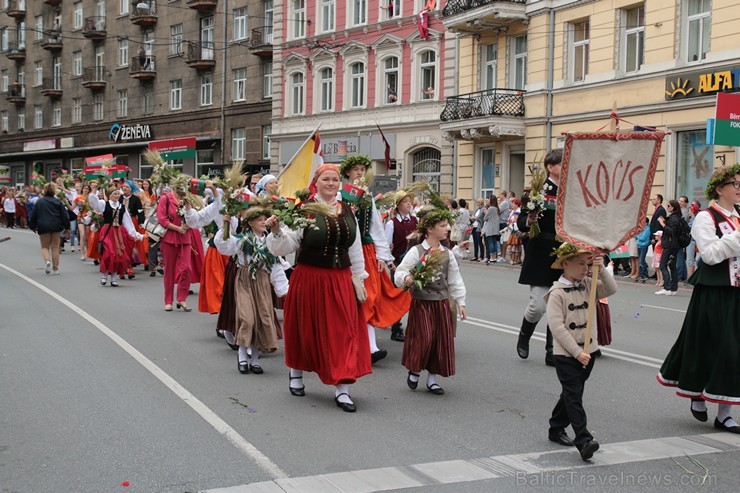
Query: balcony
(143,67)
(261,42)
(16,9)
(53,3)
(203,4)
(94,28)
(52,40)
(476,16)
(16,94)
(16,52)
(200,57)
(144,13)
(486,115)
(52,87)
(94,77)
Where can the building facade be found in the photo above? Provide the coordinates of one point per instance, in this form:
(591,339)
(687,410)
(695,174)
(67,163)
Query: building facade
(92,77)
(661,61)
(350,65)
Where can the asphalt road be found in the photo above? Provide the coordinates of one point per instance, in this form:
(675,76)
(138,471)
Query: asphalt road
(104,391)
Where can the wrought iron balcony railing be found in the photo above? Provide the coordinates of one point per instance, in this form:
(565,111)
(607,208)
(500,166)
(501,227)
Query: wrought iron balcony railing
(94,28)
(491,102)
(454,7)
(261,36)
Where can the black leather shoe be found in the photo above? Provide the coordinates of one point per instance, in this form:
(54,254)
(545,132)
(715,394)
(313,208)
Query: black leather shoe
(596,354)
(219,334)
(721,426)
(525,333)
(397,335)
(561,438)
(412,385)
(347,407)
(297,391)
(235,347)
(699,415)
(244,367)
(378,355)
(435,389)
(588,449)
(256,369)
(152,274)
(549,359)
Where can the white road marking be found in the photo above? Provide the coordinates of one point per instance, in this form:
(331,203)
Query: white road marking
(564,461)
(664,308)
(614,353)
(262,461)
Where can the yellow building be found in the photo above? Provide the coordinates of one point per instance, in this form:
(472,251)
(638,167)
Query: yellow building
(527,71)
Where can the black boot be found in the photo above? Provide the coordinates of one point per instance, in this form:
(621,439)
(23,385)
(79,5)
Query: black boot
(397,332)
(549,358)
(525,333)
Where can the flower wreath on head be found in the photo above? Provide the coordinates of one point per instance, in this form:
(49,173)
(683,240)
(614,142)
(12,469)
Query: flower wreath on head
(353,161)
(720,179)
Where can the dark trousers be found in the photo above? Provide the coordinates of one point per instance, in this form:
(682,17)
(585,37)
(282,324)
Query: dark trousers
(569,409)
(641,254)
(681,267)
(10,217)
(478,248)
(669,270)
(153,254)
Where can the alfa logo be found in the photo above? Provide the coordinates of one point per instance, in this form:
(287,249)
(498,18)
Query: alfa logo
(679,87)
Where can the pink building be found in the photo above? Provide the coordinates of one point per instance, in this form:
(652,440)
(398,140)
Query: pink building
(349,64)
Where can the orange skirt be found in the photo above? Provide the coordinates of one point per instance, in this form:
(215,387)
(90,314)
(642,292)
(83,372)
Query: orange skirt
(92,244)
(142,247)
(212,281)
(386,304)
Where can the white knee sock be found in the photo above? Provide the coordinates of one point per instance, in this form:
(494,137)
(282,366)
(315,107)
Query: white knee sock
(723,412)
(296,383)
(228,336)
(699,406)
(431,379)
(115,278)
(343,388)
(243,358)
(371,336)
(255,355)
(414,378)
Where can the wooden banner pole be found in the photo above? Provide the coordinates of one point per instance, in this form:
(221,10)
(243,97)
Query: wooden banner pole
(591,308)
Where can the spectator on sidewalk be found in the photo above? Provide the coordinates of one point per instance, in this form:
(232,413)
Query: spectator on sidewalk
(49,219)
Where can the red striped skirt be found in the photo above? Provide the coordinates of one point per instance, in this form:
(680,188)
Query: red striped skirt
(325,329)
(430,342)
(227,312)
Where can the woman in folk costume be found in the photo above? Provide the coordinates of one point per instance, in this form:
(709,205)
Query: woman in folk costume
(324,325)
(115,258)
(385,303)
(430,343)
(267,186)
(259,271)
(135,208)
(704,363)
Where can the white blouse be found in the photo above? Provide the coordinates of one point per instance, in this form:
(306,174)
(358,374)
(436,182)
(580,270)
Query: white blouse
(235,246)
(714,250)
(455,282)
(99,207)
(197,219)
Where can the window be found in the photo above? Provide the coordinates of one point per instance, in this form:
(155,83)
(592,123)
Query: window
(359,12)
(694,160)
(297,93)
(206,38)
(206,89)
(56,114)
(148,102)
(298,18)
(76,110)
(38,28)
(391,9)
(266,133)
(4,122)
(21,33)
(145,169)
(78,15)
(267,79)
(579,50)
(123,52)
(3,39)
(98,107)
(699,26)
(490,61)
(240,84)
(176,39)
(487,172)
(357,85)
(38,71)
(77,63)
(328,15)
(519,62)
(123,6)
(240,23)
(123,103)
(204,164)
(326,98)
(176,94)
(4,81)
(634,38)
(38,116)
(390,77)
(22,118)
(427,166)
(268,21)
(428,75)
(238,142)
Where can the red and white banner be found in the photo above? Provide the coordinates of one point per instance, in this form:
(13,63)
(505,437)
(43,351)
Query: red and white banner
(605,186)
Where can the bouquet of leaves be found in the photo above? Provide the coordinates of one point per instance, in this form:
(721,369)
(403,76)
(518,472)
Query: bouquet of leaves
(61,196)
(234,199)
(162,173)
(37,180)
(537,201)
(364,184)
(68,180)
(298,215)
(427,269)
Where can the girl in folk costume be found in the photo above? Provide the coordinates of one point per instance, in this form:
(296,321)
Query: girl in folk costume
(704,363)
(115,258)
(430,343)
(83,220)
(325,328)
(135,208)
(385,303)
(95,223)
(257,325)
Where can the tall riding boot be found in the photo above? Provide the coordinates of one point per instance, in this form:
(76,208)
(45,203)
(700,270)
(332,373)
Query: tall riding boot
(525,333)
(549,358)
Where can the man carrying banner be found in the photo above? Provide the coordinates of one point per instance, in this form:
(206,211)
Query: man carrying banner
(536,269)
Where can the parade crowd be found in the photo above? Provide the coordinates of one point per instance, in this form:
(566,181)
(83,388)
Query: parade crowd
(343,265)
